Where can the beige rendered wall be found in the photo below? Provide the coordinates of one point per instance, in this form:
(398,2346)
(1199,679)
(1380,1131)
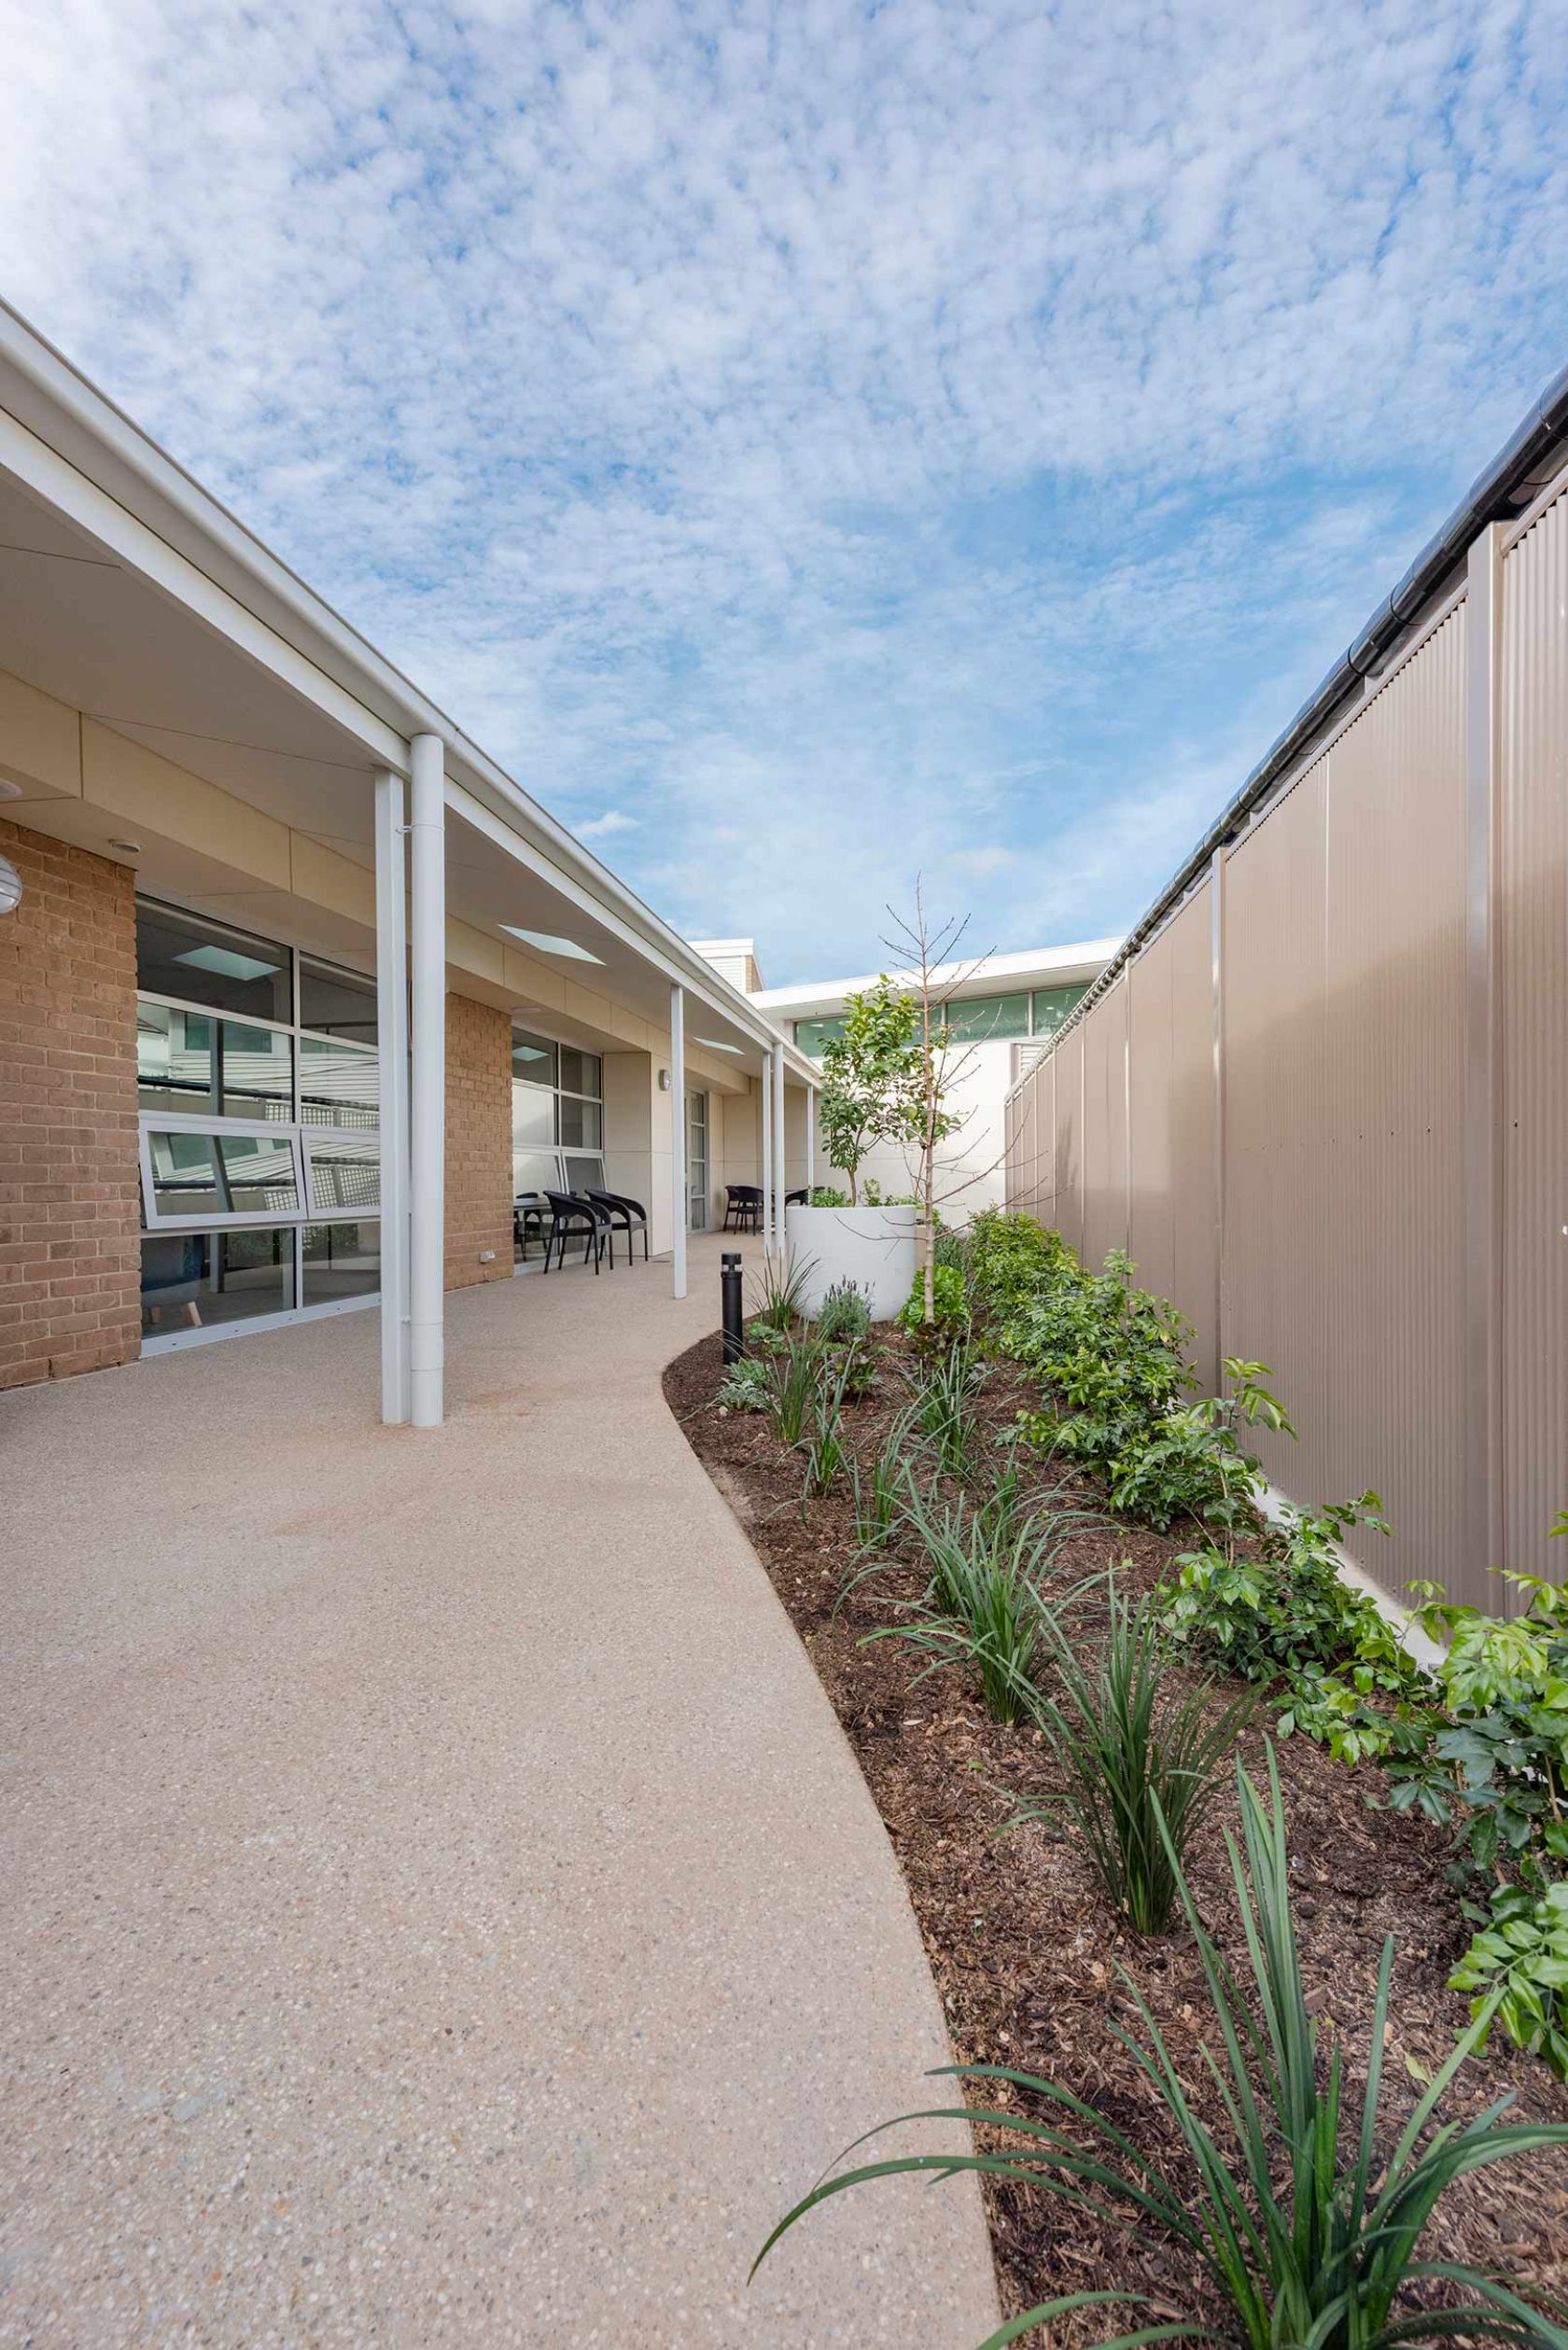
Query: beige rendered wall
(69,1204)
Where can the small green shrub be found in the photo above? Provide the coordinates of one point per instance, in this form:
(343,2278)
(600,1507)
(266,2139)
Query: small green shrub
(845,1313)
(746,1386)
(824,1195)
(1319,2248)
(1140,1777)
(982,1614)
(948,1298)
(780,1290)
(1517,1969)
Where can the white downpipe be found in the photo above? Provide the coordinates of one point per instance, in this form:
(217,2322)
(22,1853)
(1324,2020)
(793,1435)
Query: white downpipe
(767,1153)
(780,1153)
(392,1062)
(428,1120)
(678,1136)
(810,1142)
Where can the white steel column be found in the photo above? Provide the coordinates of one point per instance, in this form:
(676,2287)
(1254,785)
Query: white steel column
(392,1061)
(767,1153)
(810,1142)
(428,1149)
(678,1134)
(780,1153)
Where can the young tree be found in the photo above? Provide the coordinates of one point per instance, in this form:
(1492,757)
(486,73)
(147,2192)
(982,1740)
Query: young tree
(927,952)
(873,1078)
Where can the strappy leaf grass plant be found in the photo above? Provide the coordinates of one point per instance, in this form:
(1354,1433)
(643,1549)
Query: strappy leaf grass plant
(946,1390)
(1306,2227)
(796,1372)
(1143,1770)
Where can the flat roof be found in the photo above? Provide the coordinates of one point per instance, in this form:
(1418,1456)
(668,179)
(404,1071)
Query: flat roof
(976,975)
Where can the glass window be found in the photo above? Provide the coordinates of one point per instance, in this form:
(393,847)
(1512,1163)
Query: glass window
(533,1118)
(341,1260)
(345,1175)
(584,1168)
(340,1086)
(1052,1004)
(259,1173)
(811,1035)
(535,1171)
(185,1179)
(187,1060)
(974,1019)
(581,1073)
(338,1002)
(191,1279)
(534,1058)
(206,962)
(580,1124)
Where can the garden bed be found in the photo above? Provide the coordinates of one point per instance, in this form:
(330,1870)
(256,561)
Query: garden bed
(1022,1944)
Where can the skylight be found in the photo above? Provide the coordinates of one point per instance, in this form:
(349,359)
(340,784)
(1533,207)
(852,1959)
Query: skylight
(226,963)
(548,943)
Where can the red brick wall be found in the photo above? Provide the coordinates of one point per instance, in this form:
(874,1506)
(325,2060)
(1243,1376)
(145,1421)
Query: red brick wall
(70,1259)
(477,1142)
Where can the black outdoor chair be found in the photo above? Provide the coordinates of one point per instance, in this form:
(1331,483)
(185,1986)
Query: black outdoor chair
(571,1216)
(530,1214)
(796,1198)
(744,1202)
(629,1215)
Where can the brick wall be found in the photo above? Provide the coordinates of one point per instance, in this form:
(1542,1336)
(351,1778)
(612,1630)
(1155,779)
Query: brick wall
(70,1259)
(477,1142)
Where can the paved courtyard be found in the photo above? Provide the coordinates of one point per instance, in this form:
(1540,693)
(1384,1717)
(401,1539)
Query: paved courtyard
(438,1903)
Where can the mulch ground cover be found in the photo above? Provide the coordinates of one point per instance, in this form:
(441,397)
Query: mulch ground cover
(1024,1949)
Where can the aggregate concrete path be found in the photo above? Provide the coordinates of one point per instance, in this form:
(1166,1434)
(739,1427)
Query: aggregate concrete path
(438,1904)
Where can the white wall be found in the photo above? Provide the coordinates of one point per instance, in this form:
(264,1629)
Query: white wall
(970,1172)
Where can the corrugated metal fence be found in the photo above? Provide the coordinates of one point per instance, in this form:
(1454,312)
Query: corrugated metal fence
(1324,1107)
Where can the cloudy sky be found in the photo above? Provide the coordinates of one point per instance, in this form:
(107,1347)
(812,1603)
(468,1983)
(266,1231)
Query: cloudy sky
(814,443)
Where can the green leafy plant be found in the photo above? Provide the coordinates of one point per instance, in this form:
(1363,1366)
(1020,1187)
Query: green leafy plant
(1140,1775)
(827,1453)
(843,1314)
(1192,1463)
(872,1196)
(1517,1970)
(882,1494)
(745,1387)
(826,1196)
(1306,2227)
(950,1304)
(871,1075)
(982,1614)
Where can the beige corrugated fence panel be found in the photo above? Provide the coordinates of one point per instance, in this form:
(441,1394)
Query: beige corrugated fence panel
(1194,1204)
(1275,1225)
(1067,1216)
(1152,1194)
(1532,901)
(1389,1325)
(1105,1174)
(1012,1110)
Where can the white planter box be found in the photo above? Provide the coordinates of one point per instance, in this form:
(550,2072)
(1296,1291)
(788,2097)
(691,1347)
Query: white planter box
(872,1247)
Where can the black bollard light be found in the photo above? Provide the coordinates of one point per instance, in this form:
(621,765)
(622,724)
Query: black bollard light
(729,1289)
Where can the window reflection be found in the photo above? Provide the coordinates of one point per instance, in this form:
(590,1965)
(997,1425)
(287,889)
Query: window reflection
(198,962)
(344,1176)
(258,1174)
(339,1086)
(193,1280)
(341,1260)
(190,1062)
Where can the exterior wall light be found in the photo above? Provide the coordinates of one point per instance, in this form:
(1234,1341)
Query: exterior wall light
(664,1081)
(10,887)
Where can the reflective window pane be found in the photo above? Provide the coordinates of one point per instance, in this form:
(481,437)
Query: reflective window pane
(579,1072)
(338,1002)
(206,962)
(811,1035)
(185,1179)
(584,1168)
(256,1073)
(533,1057)
(173,1059)
(533,1118)
(191,1279)
(1052,1004)
(341,1260)
(259,1173)
(535,1171)
(345,1175)
(580,1124)
(974,1019)
(340,1086)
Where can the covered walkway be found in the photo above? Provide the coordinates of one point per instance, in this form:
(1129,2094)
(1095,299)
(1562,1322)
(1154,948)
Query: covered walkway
(441,1906)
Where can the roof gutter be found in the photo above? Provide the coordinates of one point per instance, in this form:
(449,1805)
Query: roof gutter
(1488,499)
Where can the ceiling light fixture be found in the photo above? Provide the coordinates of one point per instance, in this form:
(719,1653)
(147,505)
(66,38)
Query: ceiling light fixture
(549,944)
(9,788)
(130,848)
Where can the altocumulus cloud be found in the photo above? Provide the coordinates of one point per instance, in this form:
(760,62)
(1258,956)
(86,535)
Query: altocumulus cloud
(809,443)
